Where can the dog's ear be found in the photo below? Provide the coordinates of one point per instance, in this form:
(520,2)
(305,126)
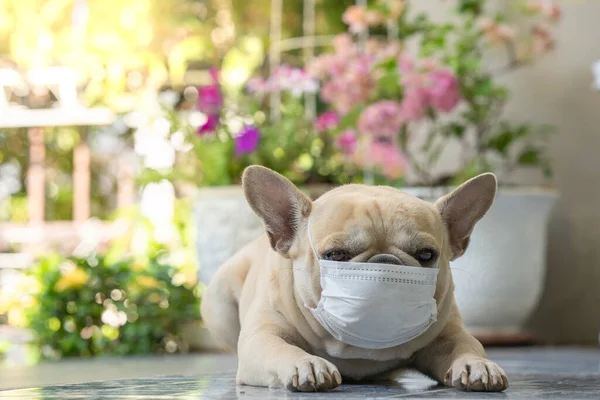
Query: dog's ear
(462,208)
(279,204)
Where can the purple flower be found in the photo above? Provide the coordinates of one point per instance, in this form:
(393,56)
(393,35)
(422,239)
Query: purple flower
(247,140)
(209,126)
(210,99)
(327,120)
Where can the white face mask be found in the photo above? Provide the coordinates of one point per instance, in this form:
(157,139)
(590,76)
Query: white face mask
(372,305)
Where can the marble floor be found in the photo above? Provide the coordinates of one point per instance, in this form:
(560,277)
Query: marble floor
(565,373)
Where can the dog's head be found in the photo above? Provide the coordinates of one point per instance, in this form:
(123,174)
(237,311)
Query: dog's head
(375,224)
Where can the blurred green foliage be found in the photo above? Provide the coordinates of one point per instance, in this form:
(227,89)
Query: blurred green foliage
(94,305)
(129,296)
(289,145)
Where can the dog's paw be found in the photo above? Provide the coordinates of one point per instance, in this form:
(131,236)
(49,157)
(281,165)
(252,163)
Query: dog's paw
(476,374)
(310,374)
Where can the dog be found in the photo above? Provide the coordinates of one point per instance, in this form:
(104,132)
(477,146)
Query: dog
(258,303)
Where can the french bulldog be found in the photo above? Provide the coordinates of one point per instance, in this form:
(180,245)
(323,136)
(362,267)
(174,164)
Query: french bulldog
(258,303)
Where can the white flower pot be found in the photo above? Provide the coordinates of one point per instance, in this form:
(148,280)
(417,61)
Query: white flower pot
(498,281)
(225,223)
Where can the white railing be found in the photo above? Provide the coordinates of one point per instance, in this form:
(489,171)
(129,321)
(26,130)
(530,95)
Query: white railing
(33,235)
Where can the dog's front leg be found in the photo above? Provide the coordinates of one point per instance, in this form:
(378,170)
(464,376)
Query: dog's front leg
(267,359)
(455,358)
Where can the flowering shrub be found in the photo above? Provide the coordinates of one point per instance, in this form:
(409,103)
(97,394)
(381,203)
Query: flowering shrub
(399,109)
(388,105)
(225,135)
(130,295)
(90,306)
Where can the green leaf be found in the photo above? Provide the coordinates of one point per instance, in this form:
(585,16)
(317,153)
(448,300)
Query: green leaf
(484,87)
(455,129)
(529,157)
(389,64)
(474,7)
(501,142)
(473,168)
(388,85)
(351,119)
(547,171)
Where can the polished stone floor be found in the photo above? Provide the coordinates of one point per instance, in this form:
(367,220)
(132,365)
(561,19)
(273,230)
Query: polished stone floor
(533,373)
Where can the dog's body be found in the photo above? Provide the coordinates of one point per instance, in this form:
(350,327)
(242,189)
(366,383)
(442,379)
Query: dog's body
(258,301)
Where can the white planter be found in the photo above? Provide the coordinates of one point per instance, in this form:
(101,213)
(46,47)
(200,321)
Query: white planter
(225,223)
(499,280)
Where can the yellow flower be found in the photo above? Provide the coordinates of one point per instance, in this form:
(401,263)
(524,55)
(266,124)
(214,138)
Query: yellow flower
(138,266)
(73,279)
(147,281)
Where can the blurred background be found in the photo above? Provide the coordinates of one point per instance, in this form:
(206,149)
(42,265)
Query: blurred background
(125,126)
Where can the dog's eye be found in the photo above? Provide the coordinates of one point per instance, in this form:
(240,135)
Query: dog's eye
(425,255)
(336,255)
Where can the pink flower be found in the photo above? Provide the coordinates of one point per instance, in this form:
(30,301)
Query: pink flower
(214,74)
(333,93)
(356,18)
(257,86)
(210,99)
(414,103)
(383,50)
(384,157)
(326,121)
(284,78)
(347,141)
(426,84)
(496,32)
(374,18)
(209,126)
(552,11)
(406,63)
(389,159)
(345,93)
(389,51)
(381,119)
(348,76)
(443,92)
(351,82)
(548,9)
(542,39)
(295,80)
(320,67)
(430,64)
(342,43)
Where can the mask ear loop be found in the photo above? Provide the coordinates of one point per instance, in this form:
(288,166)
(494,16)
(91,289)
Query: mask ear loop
(442,251)
(310,241)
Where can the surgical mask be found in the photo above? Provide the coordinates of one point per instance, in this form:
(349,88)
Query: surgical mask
(372,305)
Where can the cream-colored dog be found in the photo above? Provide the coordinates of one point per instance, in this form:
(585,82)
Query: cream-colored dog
(255,304)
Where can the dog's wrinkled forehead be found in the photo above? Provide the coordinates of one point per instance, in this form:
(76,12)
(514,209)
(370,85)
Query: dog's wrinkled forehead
(378,210)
